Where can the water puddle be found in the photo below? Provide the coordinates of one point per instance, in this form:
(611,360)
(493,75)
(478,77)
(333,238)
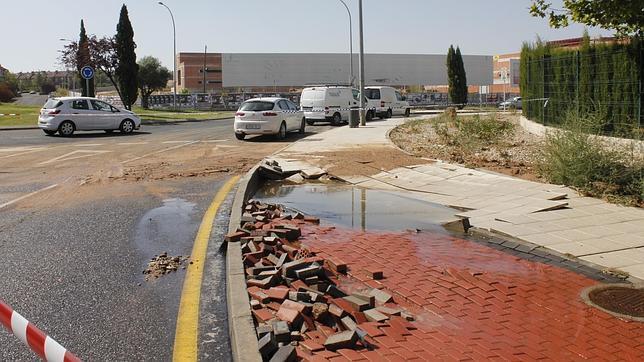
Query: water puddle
(165,228)
(358,208)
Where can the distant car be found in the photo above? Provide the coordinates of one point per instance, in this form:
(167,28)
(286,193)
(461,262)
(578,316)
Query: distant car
(32,92)
(389,102)
(66,115)
(275,116)
(512,103)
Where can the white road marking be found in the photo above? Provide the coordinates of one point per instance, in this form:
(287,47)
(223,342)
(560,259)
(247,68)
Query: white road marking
(215,141)
(15,149)
(159,151)
(180,141)
(66,157)
(26,151)
(26,196)
(132,143)
(89,145)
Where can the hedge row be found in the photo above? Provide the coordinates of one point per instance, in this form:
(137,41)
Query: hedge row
(600,79)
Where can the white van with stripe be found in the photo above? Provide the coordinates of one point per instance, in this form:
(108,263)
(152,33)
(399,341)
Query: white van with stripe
(328,103)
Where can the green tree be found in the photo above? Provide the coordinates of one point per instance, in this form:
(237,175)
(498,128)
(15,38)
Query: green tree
(152,77)
(461,87)
(127,69)
(626,17)
(83,58)
(456,78)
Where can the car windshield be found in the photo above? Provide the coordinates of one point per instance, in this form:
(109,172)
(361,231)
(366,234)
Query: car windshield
(372,93)
(256,106)
(52,103)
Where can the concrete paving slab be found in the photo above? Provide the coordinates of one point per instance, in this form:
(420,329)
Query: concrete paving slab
(572,235)
(544,239)
(617,259)
(576,248)
(636,270)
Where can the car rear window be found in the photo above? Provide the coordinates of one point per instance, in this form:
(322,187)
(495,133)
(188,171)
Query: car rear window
(256,106)
(52,103)
(372,93)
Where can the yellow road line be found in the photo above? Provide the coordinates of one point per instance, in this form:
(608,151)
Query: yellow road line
(187,331)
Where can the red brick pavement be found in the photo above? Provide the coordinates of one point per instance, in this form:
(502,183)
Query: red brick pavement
(473,303)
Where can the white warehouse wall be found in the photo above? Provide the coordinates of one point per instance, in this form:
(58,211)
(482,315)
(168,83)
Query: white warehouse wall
(265,70)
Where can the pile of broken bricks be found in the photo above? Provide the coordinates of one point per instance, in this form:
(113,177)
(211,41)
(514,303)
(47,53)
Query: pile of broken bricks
(299,310)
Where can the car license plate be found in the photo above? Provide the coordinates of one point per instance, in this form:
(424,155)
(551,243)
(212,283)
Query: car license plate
(253,126)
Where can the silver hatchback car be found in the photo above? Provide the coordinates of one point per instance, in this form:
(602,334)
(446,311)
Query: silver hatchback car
(66,115)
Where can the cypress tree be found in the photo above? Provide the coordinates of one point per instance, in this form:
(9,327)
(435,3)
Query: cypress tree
(452,75)
(83,58)
(127,69)
(461,88)
(585,71)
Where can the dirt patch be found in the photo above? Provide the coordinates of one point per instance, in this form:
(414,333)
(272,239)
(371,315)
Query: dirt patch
(512,154)
(364,161)
(164,264)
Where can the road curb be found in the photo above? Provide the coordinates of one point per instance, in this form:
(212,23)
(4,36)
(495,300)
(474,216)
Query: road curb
(179,121)
(18,128)
(243,340)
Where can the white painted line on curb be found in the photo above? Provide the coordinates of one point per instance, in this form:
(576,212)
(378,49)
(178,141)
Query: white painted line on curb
(66,157)
(159,151)
(27,195)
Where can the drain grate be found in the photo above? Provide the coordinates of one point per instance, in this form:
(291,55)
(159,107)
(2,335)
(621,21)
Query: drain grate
(619,299)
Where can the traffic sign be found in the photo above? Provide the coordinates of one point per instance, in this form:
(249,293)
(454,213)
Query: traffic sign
(87,72)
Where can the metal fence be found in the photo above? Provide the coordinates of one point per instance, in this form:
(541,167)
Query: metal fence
(601,86)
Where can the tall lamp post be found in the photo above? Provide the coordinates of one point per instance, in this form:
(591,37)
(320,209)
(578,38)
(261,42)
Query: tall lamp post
(174,56)
(363,121)
(350,44)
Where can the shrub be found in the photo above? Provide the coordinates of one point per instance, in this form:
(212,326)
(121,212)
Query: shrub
(6,95)
(573,156)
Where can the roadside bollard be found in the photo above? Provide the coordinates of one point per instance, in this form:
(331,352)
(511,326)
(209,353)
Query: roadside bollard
(43,345)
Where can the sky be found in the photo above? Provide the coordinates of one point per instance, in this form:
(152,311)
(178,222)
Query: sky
(32,28)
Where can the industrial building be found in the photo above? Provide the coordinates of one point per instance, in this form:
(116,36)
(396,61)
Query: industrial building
(286,71)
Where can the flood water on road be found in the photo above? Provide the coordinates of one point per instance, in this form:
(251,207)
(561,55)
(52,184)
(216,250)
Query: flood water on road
(358,208)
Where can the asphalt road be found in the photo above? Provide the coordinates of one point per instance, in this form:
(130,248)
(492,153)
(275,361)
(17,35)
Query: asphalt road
(72,256)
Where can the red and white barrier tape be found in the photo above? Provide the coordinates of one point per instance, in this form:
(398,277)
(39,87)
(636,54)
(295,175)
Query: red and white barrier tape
(39,342)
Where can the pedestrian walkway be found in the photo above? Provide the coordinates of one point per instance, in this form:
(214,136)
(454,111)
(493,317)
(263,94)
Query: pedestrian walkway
(471,302)
(551,216)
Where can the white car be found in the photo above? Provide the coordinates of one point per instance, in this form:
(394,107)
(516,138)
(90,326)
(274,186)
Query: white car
(66,115)
(276,116)
(512,103)
(389,102)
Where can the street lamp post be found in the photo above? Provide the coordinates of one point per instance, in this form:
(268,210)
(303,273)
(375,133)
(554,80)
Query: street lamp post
(363,121)
(174,56)
(350,44)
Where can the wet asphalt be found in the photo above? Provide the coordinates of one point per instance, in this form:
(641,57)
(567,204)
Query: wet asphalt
(78,276)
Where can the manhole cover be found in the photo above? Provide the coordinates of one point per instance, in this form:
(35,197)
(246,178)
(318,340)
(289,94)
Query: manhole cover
(622,300)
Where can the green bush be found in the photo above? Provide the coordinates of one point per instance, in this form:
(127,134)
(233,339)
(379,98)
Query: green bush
(472,132)
(572,156)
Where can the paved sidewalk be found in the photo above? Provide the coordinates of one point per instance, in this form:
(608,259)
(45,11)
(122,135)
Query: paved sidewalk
(550,216)
(472,302)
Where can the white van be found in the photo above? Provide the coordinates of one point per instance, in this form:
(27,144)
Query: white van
(330,103)
(389,102)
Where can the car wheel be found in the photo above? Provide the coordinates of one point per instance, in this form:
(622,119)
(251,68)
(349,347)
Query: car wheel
(240,136)
(127,126)
(407,112)
(49,132)
(337,119)
(282,132)
(66,128)
(310,122)
(389,114)
(303,126)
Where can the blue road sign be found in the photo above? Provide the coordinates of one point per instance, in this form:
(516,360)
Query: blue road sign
(87,72)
